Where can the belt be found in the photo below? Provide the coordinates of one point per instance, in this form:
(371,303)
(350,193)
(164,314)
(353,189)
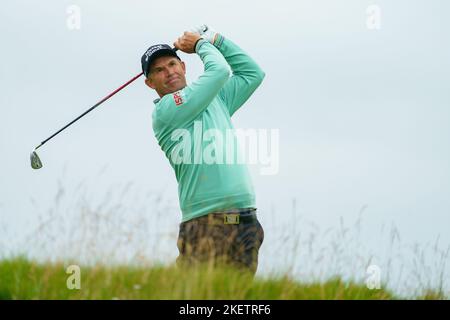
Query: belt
(233,216)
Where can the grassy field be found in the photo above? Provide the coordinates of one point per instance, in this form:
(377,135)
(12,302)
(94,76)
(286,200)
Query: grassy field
(77,228)
(23,279)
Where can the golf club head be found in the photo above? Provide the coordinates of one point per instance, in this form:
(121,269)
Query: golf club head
(35,161)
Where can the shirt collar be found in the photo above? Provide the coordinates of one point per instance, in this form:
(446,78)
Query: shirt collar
(159,99)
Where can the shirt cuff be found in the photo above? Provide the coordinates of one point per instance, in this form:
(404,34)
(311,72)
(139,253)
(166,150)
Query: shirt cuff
(219,40)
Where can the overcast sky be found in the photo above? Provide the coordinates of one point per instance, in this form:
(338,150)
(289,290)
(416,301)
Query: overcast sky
(363,114)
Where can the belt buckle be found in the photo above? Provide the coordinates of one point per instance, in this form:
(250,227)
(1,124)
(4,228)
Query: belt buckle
(231,218)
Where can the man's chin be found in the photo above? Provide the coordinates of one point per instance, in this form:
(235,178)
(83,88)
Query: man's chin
(175,88)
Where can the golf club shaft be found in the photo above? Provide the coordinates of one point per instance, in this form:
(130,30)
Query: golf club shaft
(94,106)
(91,108)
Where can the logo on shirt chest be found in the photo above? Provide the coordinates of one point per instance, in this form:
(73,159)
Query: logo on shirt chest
(177,97)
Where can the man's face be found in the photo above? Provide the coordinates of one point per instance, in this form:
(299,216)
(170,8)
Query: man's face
(167,74)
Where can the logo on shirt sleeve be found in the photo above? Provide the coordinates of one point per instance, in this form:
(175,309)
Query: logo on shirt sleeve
(178,98)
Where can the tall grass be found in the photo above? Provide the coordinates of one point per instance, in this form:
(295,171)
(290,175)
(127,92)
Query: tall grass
(22,279)
(125,244)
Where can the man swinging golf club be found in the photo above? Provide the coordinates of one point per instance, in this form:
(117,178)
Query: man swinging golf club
(217,199)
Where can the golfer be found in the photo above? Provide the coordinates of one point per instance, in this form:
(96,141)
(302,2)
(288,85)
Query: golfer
(217,200)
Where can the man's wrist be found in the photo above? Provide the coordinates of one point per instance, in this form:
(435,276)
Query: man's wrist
(199,43)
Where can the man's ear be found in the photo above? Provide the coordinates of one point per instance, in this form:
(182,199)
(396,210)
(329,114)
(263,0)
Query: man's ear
(149,83)
(183,65)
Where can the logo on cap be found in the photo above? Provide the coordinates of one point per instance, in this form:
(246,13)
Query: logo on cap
(152,50)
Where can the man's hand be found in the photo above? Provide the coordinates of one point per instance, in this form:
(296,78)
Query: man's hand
(187,41)
(206,33)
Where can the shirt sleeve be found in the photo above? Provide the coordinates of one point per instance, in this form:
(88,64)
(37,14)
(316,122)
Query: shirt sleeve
(179,108)
(247,75)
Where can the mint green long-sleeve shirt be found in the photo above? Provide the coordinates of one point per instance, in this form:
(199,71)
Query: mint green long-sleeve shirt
(193,128)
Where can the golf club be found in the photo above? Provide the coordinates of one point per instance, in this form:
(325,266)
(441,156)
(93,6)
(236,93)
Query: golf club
(36,161)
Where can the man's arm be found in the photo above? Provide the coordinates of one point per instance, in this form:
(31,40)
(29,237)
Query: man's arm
(247,75)
(179,108)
